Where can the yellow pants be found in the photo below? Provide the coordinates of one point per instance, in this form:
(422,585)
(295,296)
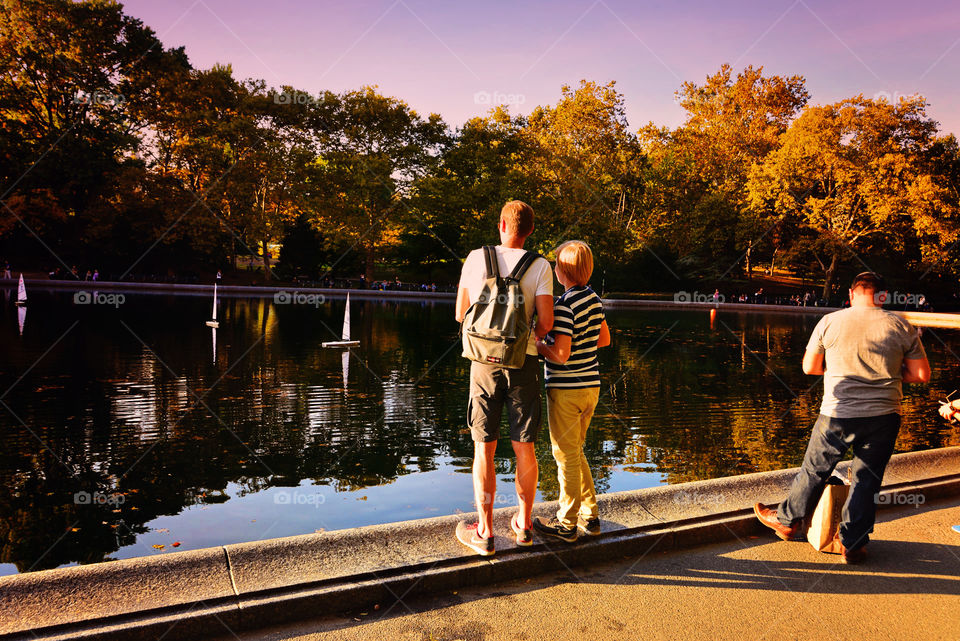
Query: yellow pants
(568,413)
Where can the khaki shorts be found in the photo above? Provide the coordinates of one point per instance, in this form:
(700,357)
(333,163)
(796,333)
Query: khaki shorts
(493,387)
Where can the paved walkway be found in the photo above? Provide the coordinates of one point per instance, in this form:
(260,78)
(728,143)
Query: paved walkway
(755,589)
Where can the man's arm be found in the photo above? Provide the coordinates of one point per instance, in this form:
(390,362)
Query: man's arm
(916,370)
(544,305)
(813,362)
(463,304)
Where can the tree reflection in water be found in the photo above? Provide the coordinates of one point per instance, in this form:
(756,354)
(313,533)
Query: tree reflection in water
(130,411)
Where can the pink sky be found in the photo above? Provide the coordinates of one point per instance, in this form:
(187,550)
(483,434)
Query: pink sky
(447,57)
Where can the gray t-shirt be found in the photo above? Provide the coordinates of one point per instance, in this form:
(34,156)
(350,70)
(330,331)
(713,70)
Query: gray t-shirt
(864,350)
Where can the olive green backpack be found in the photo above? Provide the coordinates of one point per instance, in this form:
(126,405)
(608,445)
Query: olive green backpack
(496,329)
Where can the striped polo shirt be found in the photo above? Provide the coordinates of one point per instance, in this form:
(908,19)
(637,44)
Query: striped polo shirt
(578,313)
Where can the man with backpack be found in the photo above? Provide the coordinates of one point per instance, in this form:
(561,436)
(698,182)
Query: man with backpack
(500,290)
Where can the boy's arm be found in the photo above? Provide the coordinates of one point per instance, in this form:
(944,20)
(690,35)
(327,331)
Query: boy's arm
(559,352)
(604,339)
(813,362)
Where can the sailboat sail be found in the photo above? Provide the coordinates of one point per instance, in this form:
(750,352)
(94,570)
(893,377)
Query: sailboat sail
(21,292)
(214,301)
(346,320)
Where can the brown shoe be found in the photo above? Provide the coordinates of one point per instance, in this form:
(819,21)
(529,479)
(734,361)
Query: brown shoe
(851,557)
(786,532)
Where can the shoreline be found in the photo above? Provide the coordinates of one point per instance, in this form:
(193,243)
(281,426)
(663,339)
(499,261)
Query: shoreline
(247,586)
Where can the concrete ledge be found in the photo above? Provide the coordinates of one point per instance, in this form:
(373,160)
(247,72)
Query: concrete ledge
(186,595)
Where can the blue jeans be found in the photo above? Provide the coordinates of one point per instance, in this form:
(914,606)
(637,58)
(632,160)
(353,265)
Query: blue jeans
(872,439)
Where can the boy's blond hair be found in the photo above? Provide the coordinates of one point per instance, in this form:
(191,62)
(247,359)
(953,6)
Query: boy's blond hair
(518,216)
(575,260)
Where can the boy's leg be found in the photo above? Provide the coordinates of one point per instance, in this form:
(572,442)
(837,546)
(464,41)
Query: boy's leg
(564,408)
(588,494)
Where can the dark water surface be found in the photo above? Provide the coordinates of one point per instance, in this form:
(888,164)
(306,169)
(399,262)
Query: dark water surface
(120,433)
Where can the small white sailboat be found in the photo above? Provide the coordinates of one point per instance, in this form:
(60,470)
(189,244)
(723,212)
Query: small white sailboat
(345,338)
(21,292)
(213,322)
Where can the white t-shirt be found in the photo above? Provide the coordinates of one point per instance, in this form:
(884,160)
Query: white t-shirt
(536,281)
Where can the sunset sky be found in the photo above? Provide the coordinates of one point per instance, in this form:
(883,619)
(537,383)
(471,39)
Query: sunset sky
(452,57)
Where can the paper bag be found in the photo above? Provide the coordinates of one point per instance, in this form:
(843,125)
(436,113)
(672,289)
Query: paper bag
(825,522)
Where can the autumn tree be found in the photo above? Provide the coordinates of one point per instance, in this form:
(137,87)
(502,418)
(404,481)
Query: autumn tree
(853,173)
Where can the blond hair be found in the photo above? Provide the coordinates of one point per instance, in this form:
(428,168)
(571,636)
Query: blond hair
(575,261)
(518,216)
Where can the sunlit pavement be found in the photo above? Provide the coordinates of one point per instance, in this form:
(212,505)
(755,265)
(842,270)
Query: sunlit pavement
(760,588)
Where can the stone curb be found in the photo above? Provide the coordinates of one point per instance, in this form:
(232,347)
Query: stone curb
(187,595)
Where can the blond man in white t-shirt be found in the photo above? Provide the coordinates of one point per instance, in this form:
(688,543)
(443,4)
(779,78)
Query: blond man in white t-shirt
(492,387)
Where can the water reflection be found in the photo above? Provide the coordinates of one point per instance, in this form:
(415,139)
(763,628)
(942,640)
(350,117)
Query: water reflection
(123,431)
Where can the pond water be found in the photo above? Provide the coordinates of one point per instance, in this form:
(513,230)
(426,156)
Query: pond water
(125,430)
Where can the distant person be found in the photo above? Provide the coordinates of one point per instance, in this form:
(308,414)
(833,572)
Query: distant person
(864,353)
(96,275)
(219,275)
(88,275)
(492,387)
(573,391)
(6,270)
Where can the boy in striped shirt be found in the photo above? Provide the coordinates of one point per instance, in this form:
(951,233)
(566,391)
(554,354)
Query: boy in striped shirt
(573,390)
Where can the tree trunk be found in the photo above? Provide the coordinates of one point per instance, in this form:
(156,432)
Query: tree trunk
(267,274)
(830,276)
(749,249)
(772,260)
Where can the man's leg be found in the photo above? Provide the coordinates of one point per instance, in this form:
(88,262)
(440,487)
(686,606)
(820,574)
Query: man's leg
(526,480)
(484,485)
(525,416)
(825,449)
(484,409)
(872,449)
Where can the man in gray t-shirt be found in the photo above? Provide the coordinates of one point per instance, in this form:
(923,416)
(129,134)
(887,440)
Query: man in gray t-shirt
(864,353)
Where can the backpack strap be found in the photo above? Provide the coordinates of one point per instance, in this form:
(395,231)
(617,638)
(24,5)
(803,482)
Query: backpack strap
(523,265)
(490,258)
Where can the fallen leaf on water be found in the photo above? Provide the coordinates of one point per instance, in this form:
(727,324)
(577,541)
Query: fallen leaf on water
(175,544)
(362,498)
(74,529)
(162,529)
(158,546)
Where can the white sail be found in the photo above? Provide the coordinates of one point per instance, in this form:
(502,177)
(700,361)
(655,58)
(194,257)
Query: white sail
(22,317)
(214,301)
(346,320)
(21,292)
